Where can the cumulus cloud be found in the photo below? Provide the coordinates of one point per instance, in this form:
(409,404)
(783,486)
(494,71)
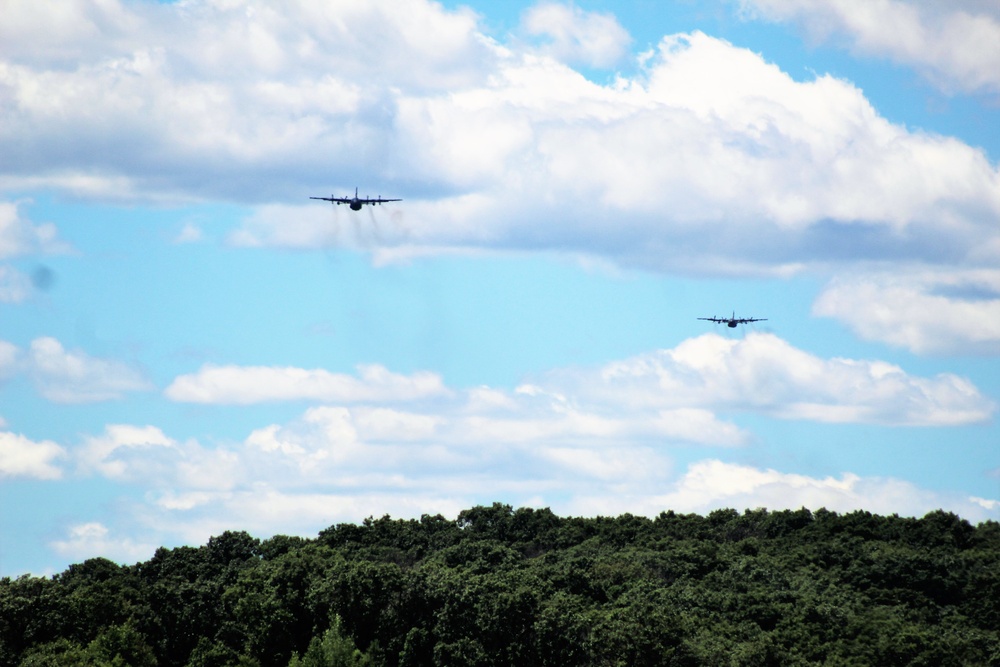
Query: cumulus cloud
(66,376)
(216,85)
(928,312)
(955,44)
(115,453)
(577,36)
(764,374)
(743,170)
(256,384)
(581,440)
(23,457)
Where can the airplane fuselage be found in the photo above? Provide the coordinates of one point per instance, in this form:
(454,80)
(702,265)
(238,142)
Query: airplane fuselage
(355,205)
(732,324)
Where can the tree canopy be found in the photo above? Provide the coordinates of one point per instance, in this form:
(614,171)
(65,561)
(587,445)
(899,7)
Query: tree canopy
(499,586)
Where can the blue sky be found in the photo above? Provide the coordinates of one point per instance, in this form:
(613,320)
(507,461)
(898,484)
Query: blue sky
(188,344)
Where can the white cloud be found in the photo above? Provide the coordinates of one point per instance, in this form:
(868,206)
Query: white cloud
(269,511)
(324,472)
(22,457)
(492,147)
(94,539)
(743,170)
(582,440)
(190,233)
(186,92)
(577,36)
(668,395)
(15,287)
(929,312)
(764,374)
(19,236)
(955,44)
(76,377)
(112,454)
(712,484)
(256,384)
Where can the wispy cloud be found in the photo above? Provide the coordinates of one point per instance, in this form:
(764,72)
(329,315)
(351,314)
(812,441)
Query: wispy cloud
(64,376)
(15,286)
(256,384)
(19,236)
(93,539)
(10,357)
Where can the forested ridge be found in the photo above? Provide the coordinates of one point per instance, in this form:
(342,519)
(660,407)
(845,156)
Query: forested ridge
(499,586)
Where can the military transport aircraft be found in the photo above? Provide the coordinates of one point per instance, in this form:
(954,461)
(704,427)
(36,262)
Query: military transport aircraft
(731,322)
(355,202)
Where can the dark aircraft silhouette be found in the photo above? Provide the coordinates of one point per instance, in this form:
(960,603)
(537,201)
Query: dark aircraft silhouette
(355,202)
(731,322)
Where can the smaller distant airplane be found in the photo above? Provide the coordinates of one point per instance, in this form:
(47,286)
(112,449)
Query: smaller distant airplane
(355,202)
(731,322)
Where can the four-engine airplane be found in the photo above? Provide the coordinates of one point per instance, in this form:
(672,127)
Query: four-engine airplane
(355,202)
(731,322)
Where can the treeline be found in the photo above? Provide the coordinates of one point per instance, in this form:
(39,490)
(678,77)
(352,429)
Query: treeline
(500,586)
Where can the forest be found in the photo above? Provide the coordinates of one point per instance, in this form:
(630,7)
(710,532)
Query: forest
(499,586)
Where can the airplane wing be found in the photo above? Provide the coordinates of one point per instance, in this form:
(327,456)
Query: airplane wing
(712,319)
(378,200)
(339,200)
(748,320)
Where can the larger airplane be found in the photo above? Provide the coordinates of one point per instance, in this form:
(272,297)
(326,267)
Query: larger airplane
(355,202)
(731,322)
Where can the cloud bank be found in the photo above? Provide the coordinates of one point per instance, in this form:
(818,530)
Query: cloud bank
(328,466)
(668,393)
(708,161)
(594,440)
